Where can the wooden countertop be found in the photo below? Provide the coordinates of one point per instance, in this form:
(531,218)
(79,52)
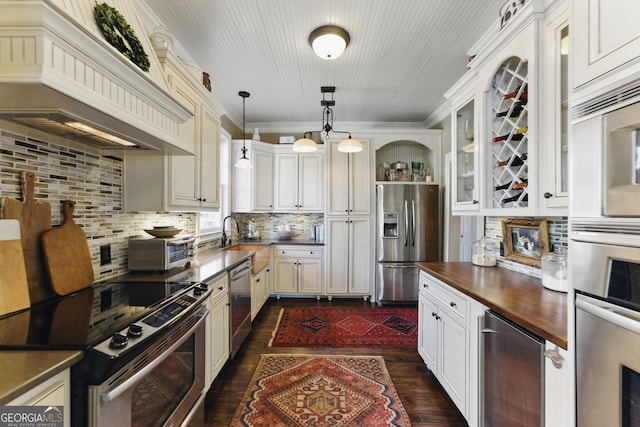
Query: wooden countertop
(516,296)
(23,370)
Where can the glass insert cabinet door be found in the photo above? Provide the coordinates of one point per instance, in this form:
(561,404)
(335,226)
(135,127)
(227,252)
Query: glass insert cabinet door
(465,162)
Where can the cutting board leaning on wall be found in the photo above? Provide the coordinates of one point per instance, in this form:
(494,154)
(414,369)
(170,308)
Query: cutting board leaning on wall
(34,218)
(66,254)
(14,291)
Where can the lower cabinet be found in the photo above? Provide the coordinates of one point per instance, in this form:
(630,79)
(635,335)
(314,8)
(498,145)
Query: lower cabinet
(218,328)
(448,342)
(55,391)
(298,270)
(260,290)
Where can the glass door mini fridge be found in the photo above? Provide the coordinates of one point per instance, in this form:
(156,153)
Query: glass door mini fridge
(407,228)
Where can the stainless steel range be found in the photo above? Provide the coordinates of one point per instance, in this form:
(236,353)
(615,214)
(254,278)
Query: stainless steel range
(144,348)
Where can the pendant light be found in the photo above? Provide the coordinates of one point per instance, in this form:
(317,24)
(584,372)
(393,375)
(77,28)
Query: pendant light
(348,145)
(243,162)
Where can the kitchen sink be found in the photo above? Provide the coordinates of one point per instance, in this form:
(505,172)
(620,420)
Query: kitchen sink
(259,260)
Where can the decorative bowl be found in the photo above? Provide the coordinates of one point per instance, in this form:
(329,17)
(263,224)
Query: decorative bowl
(163,232)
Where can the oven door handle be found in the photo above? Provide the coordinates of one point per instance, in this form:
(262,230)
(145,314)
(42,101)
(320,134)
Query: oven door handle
(614,314)
(108,396)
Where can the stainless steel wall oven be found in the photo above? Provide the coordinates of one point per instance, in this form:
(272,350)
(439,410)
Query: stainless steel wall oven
(606,276)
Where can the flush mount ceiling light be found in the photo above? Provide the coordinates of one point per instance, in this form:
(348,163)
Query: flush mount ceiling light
(348,145)
(243,162)
(329,41)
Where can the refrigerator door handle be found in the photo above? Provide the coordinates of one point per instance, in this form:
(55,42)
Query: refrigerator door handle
(406,223)
(413,223)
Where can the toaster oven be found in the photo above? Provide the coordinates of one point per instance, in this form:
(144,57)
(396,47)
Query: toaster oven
(158,254)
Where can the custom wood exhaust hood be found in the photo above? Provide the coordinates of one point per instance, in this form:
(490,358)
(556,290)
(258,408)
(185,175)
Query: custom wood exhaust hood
(56,68)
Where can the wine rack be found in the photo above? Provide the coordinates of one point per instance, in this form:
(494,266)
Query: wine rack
(509,130)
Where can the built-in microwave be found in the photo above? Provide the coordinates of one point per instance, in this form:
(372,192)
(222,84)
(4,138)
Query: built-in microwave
(605,165)
(158,254)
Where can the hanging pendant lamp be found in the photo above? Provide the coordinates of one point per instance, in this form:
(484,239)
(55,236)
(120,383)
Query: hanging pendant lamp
(244,161)
(348,145)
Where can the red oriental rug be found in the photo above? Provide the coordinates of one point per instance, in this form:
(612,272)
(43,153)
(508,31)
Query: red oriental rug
(394,327)
(320,391)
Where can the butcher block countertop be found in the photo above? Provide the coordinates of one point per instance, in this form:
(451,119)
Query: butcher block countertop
(515,296)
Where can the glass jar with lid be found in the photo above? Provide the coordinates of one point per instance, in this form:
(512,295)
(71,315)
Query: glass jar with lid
(555,270)
(484,253)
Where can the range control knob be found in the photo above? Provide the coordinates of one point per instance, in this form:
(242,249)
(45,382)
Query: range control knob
(118,341)
(200,289)
(135,330)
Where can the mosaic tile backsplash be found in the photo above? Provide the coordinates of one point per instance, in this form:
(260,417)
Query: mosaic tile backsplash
(94,182)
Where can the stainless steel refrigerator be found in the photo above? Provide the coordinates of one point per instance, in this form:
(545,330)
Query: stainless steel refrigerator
(407,228)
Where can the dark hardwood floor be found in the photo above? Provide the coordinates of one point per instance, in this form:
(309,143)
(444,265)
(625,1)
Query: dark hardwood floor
(422,396)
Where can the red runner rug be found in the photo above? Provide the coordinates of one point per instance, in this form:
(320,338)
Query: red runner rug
(320,391)
(395,327)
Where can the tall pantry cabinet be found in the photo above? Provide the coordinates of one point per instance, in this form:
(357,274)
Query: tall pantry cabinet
(349,236)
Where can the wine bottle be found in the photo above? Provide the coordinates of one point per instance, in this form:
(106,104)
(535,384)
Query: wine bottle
(514,94)
(515,161)
(513,185)
(516,135)
(515,198)
(514,112)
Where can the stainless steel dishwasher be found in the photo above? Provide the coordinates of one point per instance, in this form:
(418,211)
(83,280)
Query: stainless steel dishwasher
(240,312)
(512,374)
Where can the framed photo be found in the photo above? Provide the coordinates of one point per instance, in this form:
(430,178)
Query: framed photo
(525,240)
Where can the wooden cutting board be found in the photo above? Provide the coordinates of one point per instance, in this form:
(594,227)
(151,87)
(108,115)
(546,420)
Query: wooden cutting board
(34,218)
(66,254)
(14,290)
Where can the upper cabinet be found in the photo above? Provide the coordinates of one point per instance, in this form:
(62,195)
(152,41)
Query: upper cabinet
(298,180)
(180,183)
(509,120)
(253,187)
(349,180)
(610,41)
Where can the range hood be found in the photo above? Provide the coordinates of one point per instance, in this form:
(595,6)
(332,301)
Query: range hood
(56,69)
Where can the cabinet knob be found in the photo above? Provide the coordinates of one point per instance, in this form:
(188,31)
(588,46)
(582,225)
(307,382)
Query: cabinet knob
(452,304)
(548,195)
(204,199)
(426,286)
(475,202)
(433,314)
(220,288)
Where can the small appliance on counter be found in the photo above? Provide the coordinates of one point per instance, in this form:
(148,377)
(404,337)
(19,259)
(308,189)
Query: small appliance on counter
(160,254)
(318,233)
(284,232)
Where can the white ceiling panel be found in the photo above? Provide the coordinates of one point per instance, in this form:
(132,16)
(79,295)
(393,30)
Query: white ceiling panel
(403,55)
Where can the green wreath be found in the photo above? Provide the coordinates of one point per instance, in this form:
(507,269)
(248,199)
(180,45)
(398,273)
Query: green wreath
(114,27)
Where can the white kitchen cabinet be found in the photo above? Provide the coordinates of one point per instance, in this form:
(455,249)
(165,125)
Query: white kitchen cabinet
(298,270)
(260,290)
(464,166)
(55,391)
(349,179)
(217,338)
(253,187)
(554,179)
(558,387)
(448,342)
(349,258)
(180,183)
(607,47)
(299,181)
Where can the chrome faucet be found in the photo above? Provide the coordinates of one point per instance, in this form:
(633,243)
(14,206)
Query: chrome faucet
(224,235)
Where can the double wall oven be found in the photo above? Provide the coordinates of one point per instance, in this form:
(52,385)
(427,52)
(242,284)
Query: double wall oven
(605,258)
(144,345)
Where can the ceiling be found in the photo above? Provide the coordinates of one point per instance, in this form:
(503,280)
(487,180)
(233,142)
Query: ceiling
(403,55)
